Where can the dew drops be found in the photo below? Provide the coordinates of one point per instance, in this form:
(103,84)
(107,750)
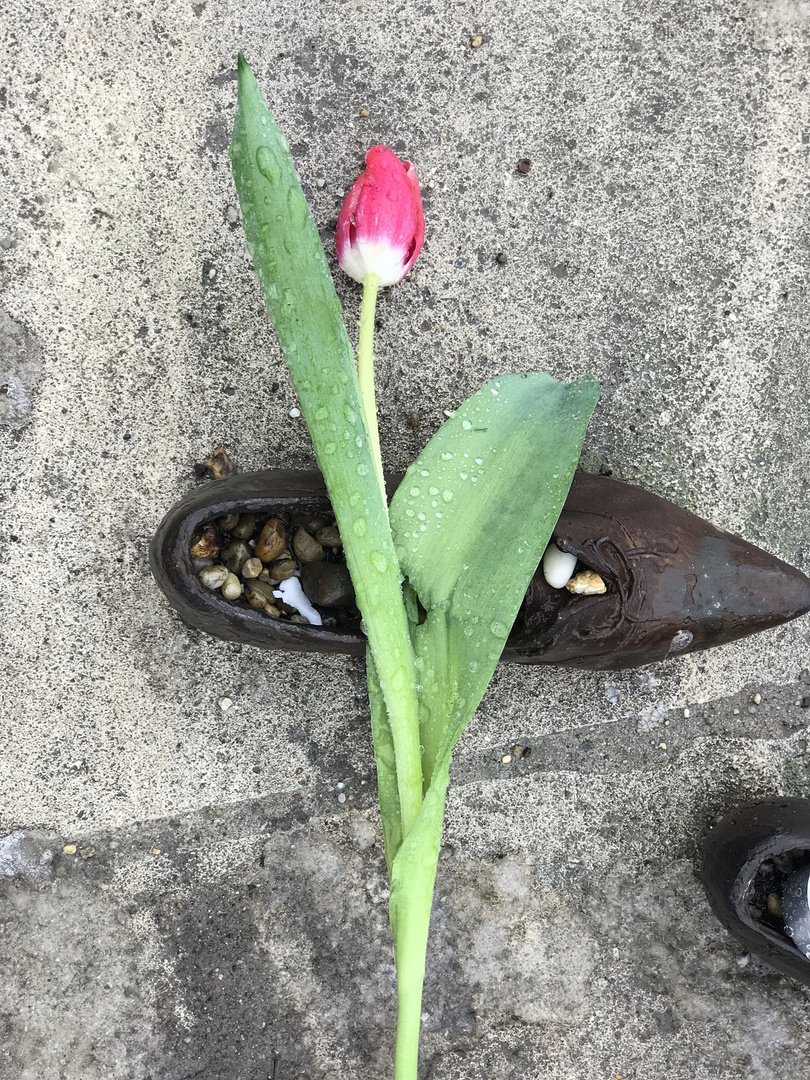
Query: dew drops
(410,512)
(498,629)
(446,455)
(359,441)
(415,491)
(433,491)
(362,469)
(479,461)
(360,526)
(267,165)
(464,475)
(469,631)
(421,516)
(356,497)
(322,413)
(330,448)
(466,425)
(350,415)
(424,472)
(447,495)
(378,561)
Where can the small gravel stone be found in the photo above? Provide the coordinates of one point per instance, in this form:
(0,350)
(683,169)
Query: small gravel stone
(87,852)
(235,555)
(476,41)
(506,759)
(281,569)
(524,165)
(227,521)
(213,577)
(306,547)
(206,543)
(261,589)
(757,698)
(252,568)
(256,600)
(224,703)
(232,587)
(231,215)
(774,904)
(295,413)
(299,619)
(245,526)
(586,583)
(272,541)
(69,849)
(329,536)
(327,584)
(220,464)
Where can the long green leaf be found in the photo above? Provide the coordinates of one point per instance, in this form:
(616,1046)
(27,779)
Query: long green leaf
(471,520)
(288,258)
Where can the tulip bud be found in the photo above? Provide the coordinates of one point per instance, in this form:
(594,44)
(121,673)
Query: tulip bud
(381,227)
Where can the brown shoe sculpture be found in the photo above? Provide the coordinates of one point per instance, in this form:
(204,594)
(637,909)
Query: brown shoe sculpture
(670,582)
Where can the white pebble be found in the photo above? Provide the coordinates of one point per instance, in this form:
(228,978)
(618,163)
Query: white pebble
(558,566)
(295,413)
(224,703)
(213,577)
(251,568)
(231,587)
(291,593)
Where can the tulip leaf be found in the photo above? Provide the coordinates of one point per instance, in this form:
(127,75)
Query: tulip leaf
(471,520)
(288,257)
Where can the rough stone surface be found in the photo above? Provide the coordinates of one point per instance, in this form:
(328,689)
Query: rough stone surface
(211,924)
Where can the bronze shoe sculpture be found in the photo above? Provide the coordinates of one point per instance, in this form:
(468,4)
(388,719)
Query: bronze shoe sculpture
(673,583)
(755,871)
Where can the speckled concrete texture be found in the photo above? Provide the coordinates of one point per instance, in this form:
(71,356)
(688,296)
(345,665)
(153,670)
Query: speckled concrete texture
(222,915)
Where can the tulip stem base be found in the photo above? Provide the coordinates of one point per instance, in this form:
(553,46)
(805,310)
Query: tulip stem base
(365,367)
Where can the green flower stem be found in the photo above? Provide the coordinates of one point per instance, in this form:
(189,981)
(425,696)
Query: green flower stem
(412,882)
(365,366)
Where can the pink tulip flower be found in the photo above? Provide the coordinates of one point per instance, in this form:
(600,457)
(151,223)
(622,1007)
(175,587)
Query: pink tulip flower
(381,227)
